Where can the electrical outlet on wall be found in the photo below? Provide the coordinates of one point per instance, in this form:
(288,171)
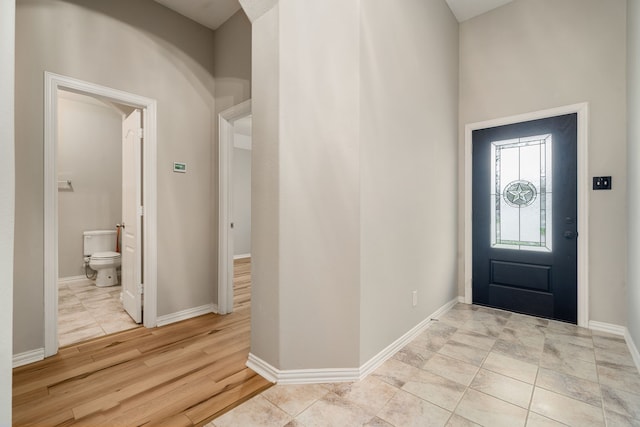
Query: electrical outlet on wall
(414,294)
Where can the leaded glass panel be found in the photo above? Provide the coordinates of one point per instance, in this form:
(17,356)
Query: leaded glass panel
(521,191)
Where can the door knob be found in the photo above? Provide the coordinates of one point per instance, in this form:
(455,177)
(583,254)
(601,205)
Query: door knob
(570,234)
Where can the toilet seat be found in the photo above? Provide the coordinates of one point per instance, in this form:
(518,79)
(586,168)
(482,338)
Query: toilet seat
(105,255)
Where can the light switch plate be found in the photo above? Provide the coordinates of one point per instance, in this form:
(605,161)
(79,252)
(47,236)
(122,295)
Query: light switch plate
(602,183)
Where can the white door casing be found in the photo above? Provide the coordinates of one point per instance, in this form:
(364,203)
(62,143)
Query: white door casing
(131,226)
(582,110)
(52,84)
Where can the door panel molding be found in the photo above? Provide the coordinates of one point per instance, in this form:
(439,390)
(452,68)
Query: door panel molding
(52,83)
(504,272)
(582,110)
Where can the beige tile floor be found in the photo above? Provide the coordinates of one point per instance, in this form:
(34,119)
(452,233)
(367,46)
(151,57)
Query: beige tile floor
(86,311)
(473,367)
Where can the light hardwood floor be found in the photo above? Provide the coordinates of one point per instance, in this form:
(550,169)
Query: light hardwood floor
(183,374)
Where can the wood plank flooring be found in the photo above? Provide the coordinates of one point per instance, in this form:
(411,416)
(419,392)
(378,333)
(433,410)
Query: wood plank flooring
(184,374)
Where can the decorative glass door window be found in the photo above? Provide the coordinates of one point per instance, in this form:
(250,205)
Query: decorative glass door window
(521,189)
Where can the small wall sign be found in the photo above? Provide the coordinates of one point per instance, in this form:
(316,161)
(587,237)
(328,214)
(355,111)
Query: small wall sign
(180,167)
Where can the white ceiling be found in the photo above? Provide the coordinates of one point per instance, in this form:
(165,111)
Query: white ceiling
(467,9)
(210,13)
(213,13)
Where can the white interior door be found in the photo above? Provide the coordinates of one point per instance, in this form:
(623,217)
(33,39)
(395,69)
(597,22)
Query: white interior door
(131,215)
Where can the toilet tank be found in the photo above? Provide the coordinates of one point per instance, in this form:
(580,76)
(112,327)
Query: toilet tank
(99,241)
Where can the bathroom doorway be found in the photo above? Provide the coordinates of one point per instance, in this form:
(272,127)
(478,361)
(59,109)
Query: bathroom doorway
(84,187)
(90,200)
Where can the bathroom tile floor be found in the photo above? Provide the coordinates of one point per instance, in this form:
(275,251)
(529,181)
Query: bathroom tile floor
(86,311)
(472,367)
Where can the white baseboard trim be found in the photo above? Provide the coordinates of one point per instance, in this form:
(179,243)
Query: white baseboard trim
(607,327)
(633,349)
(622,331)
(445,308)
(461,299)
(27,357)
(330,375)
(377,360)
(262,368)
(241,256)
(185,314)
(73,279)
(301,376)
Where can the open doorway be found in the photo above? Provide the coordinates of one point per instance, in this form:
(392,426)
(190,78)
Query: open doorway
(92,193)
(143,212)
(234,127)
(241,208)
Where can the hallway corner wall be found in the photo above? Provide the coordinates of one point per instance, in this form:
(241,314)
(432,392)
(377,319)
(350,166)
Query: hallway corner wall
(319,184)
(346,142)
(7,204)
(265,190)
(633,158)
(408,131)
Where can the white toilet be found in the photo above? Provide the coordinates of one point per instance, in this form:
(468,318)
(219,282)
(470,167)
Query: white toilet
(99,250)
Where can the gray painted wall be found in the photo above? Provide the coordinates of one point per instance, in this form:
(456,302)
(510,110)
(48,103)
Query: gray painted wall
(330,164)
(232,61)
(90,155)
(633,157)
(241,200)
(532,55)
(319,183)
(150,51)
(408,133)
(265,215)
(7,182)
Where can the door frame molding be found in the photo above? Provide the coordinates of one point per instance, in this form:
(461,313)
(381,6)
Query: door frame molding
(52,83)
(225,205)
(582,110)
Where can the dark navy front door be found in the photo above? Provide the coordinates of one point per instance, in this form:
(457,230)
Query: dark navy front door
(525,217)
